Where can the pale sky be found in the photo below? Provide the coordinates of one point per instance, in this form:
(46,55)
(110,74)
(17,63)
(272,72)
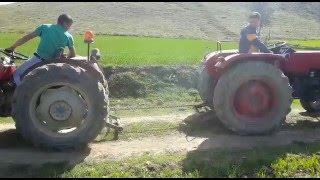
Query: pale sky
(4,3)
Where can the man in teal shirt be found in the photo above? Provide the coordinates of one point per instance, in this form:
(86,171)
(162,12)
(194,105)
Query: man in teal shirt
(53,37)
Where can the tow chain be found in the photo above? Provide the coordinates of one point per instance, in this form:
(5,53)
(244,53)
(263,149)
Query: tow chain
(153,107)
(115,121)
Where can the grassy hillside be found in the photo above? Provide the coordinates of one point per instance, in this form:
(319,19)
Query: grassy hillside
(197,20)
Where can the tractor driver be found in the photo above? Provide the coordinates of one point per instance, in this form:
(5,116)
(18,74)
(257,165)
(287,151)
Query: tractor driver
(53,37)
(249,41)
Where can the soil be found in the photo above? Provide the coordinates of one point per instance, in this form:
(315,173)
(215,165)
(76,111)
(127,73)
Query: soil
(196,132)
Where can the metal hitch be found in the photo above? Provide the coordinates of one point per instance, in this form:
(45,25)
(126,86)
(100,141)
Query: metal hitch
(116,125)
(199,107)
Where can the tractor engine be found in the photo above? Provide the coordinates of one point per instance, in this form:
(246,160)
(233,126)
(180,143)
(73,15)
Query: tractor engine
(6,90)
(5,102)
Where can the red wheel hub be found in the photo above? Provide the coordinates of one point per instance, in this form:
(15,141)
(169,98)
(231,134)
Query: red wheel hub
(254,99)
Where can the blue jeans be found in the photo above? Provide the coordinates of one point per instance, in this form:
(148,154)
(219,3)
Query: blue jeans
(23,67)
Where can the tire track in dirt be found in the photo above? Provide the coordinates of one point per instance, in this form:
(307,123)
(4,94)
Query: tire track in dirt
(165,143)
(177,141)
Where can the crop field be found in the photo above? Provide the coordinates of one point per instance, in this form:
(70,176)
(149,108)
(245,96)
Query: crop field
(122,50)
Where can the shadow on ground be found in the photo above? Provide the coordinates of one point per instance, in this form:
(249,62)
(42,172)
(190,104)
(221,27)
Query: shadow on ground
(20,159)
(313,115)
(207,124)
(225,154)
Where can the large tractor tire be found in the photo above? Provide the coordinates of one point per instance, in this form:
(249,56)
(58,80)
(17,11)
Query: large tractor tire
(60,107)
(310,106)
(206,86)
(252,98)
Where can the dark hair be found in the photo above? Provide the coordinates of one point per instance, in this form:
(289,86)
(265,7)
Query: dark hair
(64,18)
(255,15)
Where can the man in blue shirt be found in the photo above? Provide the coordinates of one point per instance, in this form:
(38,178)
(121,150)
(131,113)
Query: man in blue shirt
(249,41)
(53,37)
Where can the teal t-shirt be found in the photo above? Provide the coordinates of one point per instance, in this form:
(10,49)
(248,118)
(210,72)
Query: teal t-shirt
(52,38)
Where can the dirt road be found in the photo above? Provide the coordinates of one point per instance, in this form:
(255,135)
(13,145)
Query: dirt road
(196,132)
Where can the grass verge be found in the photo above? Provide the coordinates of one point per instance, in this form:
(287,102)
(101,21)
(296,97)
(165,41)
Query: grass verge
(286,161)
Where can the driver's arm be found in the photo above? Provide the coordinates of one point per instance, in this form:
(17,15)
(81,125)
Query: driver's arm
(23,40)
(72,50)
(256,41)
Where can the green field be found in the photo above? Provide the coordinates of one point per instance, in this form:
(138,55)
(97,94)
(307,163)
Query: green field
(312,43)
(119,50)
(280,162)
(122,50)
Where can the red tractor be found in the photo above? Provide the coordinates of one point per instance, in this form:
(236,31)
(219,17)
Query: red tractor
(61,104)
(252,93)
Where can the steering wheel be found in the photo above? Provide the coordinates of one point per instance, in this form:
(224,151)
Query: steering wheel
(277,44)
(14,55)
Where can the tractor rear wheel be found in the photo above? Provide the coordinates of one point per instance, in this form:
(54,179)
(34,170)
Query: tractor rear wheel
(60,107)
(252,98)
(310,106)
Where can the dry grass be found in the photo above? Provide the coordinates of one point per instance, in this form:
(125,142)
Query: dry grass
(207,20)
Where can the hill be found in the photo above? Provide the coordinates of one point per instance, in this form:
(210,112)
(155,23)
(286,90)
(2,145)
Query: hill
(195,20)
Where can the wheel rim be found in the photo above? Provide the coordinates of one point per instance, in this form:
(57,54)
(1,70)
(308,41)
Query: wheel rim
(254,100)
(59,109)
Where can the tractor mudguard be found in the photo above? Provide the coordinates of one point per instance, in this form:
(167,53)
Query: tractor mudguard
(225,62)
(92,66)
(218,63)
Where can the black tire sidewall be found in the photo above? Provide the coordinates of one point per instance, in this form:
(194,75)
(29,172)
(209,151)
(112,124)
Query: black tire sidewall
(68,74)
(308,107)
(234,78)
(205,86)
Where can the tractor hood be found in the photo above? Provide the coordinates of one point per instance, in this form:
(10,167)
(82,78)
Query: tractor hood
(214,55)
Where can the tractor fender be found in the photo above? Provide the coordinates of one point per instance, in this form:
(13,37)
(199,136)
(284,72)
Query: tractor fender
(91,67)
(224,63)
